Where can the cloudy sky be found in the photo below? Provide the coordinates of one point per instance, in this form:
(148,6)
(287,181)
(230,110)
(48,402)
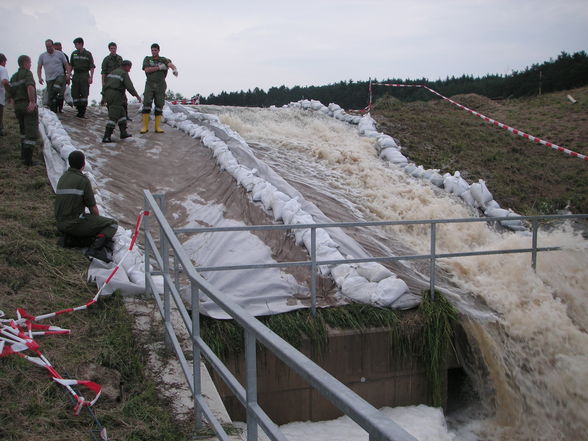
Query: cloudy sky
(232,45)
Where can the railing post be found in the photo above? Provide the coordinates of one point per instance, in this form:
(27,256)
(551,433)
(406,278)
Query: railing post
(534,242)
(433,264)
(251,383)
(197,392)
(164,251)
(313,270)
(147,246)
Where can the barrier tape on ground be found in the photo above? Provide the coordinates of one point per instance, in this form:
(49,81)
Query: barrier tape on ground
(514,131)
(16,336)
(192,101)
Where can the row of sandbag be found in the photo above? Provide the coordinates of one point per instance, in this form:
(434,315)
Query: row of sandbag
(55,136)
(475,195)
(369,283)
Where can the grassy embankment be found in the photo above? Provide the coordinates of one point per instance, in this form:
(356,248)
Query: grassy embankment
(529,178)
(37,275)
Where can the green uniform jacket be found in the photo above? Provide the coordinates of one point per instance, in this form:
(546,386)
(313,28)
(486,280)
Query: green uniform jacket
(82,61)
(119,80)
(18,87)
(110,63)
(159,75)
(74,193)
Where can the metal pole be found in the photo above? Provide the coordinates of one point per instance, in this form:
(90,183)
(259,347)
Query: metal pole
(196,355)
(147,247)
(313,271)
(164,251)
(433,251)
(534,245)
(251,386)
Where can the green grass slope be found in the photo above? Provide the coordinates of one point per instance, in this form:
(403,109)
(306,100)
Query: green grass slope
(527,177)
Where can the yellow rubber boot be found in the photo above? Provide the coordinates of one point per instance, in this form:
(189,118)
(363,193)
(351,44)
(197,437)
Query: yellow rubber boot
(157,124)
(145,127)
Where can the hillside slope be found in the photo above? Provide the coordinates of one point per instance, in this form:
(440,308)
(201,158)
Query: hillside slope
(529,178)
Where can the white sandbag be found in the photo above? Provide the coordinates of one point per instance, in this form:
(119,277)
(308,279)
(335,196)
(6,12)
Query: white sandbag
(373,271)
(267,195)
(322,239)
(436,179)
(67,96)
(333,107)
(277,202)
(410,168)
(289,209)
(481,193)
(388,291)
(496,212)
(460,185)
(418,172)
(386,141)
(316,105)
(515,224)
(469,199)
(492,204)
(406,301)
(341,272)
(258,190)
(358,289)
(394,156)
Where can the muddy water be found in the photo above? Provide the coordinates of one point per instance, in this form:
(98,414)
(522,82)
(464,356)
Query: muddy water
(535,349)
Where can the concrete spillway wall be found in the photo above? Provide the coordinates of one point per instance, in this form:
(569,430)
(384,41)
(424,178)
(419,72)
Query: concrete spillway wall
(366,362)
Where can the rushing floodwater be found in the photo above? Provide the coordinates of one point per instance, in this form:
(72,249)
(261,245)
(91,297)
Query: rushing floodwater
(534,351)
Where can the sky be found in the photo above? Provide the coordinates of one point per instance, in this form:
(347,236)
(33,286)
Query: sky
(239,45)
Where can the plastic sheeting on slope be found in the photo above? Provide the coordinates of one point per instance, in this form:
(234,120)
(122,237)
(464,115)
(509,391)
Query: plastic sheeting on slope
(366,283)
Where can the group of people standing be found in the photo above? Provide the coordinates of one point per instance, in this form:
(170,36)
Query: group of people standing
(78,70)
(74,193)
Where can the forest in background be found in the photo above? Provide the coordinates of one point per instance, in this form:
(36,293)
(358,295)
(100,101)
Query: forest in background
(567,71)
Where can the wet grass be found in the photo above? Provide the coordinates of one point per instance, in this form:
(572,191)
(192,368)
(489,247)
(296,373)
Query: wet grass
(37,275)
(529,178)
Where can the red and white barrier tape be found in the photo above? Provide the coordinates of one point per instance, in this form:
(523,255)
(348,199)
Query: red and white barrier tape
(192,101)
(16,336)
(494,122)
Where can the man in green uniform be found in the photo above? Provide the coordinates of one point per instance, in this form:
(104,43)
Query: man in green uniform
(155,68)
(24,94)
(111,62)
(113,91)
(82,64)
(60,100)
(74,193)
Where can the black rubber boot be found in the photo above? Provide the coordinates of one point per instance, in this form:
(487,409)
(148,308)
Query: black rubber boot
(123,131)
(107,134)
(28,157)
(93,253)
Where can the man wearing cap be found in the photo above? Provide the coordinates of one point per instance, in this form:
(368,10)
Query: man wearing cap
(56,74)
(83,67)
(111,62)
(113,91)
(155,68)
(24,94)
(73,194)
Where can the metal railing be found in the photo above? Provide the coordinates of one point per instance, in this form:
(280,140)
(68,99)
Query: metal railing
(378,427)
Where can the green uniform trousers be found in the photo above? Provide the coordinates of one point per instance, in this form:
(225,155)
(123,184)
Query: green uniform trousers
(29,126)
(115,101)
(89,226)
(55,91)
(154,91)
(80,89)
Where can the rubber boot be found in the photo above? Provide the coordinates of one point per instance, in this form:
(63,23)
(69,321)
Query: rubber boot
(107,134)
(28,157)
(157,124)
(145,127)
(123,130)
(97,249)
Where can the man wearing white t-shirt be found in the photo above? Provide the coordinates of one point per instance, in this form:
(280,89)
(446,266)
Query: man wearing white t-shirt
(57,73)
(4,84)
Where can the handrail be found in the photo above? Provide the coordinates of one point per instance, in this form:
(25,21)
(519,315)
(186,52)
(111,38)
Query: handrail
(379,427)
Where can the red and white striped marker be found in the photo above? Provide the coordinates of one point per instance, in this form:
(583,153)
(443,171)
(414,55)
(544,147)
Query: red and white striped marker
(514,131)
(16,336)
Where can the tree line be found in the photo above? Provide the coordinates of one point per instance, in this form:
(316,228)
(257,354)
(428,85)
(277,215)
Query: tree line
(567,71)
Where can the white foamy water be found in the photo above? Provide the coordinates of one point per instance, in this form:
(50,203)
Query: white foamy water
(536,350)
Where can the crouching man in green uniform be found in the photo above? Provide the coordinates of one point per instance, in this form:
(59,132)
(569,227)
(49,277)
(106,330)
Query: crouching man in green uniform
(113,91)
(24,94)
(155,68)
(74,193)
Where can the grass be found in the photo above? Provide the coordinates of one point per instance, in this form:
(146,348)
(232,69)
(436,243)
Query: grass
(37,275)
(529,178)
